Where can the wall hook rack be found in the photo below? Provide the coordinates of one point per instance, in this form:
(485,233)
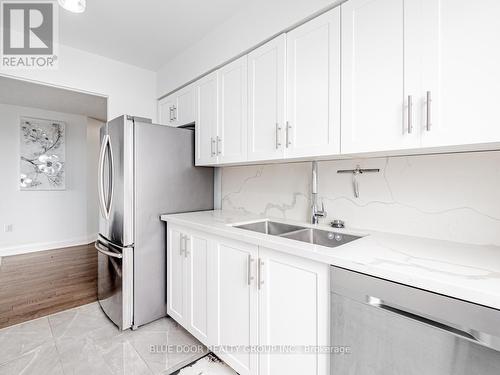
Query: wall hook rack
(355,173)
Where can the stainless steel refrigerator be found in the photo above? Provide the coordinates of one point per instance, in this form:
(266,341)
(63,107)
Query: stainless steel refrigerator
(145,170)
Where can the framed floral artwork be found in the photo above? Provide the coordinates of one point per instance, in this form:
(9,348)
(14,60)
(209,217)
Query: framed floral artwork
(43,151)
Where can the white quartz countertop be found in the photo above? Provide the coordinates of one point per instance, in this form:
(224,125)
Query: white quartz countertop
(464,271)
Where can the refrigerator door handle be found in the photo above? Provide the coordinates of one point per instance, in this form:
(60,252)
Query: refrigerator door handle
(102,202)
(112,178)
(105,201)
(102,249)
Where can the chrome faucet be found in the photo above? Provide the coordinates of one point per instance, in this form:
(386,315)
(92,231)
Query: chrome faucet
(315,213)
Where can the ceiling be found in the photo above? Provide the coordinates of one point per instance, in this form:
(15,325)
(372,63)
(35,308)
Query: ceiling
(28,94)
(145,33)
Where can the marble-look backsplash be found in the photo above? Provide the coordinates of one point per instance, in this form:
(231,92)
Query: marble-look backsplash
(452,197)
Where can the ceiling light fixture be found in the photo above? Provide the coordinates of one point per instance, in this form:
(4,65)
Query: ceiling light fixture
(75,6)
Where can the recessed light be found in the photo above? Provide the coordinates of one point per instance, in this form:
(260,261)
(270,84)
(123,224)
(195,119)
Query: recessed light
(75,6)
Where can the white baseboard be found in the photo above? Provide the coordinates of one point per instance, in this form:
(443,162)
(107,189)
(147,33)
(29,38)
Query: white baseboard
(34,247)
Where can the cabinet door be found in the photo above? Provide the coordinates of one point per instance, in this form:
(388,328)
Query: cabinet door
(294,310)
(237,303)
(184,111)
(266,100)
(166,111)
(176,275)
(206,120)
(461,72)
(376,52)
(232,129)
(313,99)
(202,303)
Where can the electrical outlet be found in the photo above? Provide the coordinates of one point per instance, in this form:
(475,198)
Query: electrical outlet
(8,228)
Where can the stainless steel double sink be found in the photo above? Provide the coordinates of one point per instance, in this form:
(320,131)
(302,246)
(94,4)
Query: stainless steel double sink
(298,233)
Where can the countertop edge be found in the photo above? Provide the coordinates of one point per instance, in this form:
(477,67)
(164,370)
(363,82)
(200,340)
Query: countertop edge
(306,251)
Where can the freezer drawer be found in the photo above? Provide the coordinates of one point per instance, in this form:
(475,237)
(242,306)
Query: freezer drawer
(114,289)
(392,329)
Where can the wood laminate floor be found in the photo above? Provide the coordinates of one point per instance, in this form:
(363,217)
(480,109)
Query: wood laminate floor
(45,282)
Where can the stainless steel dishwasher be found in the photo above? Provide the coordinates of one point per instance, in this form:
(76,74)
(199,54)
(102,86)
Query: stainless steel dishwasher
(392,329)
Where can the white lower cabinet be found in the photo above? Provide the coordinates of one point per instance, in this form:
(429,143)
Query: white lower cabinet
(245,299)
(237,309)
(176,275)
(201,292)
(293,314)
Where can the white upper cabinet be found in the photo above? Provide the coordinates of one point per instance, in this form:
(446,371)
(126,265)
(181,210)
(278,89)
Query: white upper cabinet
(166,111)
(178,108)
(418,74)
(266,100)
(313,87)
(184,111)
(461,60)
(206,91)
(416,77)
(380,86)
(231,136)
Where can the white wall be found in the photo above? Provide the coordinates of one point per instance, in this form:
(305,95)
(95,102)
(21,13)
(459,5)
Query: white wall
(260,20)
(130,90)
(451,197)
(93,144)
(47,219)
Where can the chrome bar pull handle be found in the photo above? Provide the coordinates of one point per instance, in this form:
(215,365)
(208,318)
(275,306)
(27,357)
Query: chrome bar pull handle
(212,146)
(261,275)
(288,127)
(428,120)
(186,251)
(410,114)
(249,270)
(278,130)
(175,112)
(171,113)
(219,145)
(181,242)
(456,331)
